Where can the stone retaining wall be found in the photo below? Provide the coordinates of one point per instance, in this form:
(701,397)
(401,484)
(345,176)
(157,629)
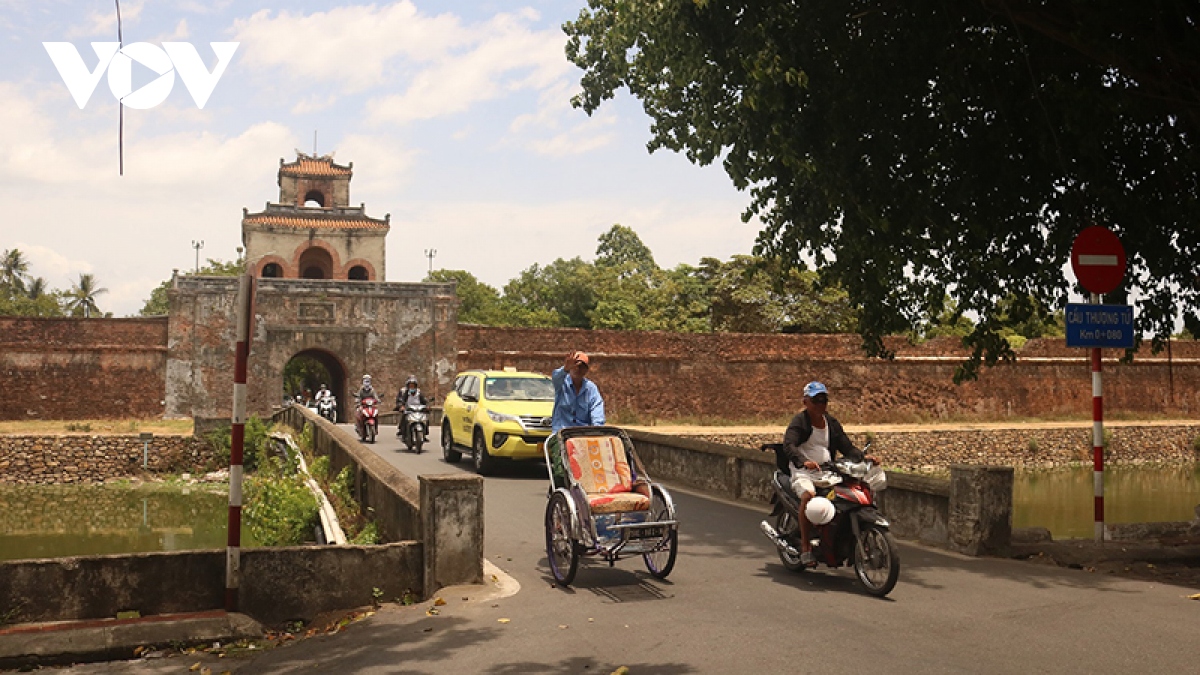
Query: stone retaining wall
(77,458)
(1033,448)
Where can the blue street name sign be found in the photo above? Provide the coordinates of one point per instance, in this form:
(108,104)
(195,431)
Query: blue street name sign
(1109,326)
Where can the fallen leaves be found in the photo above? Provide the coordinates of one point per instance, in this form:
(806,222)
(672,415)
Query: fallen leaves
(503,620)
(1194,597)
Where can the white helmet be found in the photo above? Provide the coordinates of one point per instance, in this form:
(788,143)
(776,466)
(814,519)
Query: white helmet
(366,379)
(819,511)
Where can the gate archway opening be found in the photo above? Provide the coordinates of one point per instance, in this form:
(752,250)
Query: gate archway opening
(308,370)
(316,263)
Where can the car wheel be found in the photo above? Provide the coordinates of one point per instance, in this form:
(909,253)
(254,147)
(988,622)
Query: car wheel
(449,454)
(484,464)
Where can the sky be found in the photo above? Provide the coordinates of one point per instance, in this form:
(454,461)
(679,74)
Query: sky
(456,115)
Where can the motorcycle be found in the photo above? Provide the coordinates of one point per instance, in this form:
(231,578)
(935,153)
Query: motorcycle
(416,422)
(858,534)
(366,421)
(327,408)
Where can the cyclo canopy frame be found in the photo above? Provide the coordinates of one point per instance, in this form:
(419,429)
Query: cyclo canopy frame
(632,538)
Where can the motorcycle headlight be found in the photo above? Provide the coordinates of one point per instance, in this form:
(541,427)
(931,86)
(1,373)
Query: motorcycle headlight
(501,417)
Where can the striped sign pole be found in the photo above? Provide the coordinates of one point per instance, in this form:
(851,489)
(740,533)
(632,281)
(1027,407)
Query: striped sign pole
(1097,438)
(233,551)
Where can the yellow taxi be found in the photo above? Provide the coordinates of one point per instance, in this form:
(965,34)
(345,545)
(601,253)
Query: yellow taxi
(497,414)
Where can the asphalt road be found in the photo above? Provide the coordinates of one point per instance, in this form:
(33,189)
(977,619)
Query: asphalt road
(731,607)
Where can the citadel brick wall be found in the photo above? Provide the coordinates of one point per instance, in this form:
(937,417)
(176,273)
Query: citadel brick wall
(649,375)
(82,368)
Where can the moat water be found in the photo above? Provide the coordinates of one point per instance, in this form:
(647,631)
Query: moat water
(1061,500)
(52,521)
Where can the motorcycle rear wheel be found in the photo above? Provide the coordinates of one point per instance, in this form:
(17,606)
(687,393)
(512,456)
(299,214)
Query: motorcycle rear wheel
(562,552)
(876,561)
(783,523)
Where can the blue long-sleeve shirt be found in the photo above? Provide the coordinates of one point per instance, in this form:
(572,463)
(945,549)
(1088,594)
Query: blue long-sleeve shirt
(575,410)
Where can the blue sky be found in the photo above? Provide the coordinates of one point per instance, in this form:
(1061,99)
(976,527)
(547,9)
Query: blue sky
(455,114)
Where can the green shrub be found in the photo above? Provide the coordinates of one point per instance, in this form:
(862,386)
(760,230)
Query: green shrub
(280,511)
(320,469)
(369,535)
(255,445)
(1196,445)
(1032,446)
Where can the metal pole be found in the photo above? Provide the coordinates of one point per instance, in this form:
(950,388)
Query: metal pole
(1097,437)
(233,553)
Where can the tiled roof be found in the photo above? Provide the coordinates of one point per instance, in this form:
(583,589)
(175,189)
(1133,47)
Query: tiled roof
(318,223)
(306,166)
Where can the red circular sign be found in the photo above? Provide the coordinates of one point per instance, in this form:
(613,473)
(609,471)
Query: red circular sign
(1098,259)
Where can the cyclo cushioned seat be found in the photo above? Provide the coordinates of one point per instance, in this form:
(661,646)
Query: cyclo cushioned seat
(601,467)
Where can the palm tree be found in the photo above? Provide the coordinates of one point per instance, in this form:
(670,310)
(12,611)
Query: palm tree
(83,296)
(37,288)
(13,269)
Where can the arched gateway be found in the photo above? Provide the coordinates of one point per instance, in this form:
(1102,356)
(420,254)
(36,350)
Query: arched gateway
(341,315)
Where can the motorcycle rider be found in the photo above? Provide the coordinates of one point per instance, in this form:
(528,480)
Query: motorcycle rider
(408,396)
(814,438)
(323,393)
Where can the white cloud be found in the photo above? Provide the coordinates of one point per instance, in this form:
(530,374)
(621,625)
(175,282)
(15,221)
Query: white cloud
(103,22)
(59,270)
(314,103)
(553,112)
(352,46)
(504,56)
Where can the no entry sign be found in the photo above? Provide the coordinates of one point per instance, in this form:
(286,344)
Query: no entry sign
(1098,259)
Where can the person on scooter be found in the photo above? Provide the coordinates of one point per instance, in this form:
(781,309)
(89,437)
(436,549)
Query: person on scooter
(323,393)
(409,395)
(813,438)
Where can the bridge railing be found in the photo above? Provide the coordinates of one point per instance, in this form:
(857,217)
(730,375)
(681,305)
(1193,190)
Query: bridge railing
(426,509)
(970,513)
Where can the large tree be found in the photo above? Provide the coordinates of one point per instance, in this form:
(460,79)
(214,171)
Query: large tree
(915,149)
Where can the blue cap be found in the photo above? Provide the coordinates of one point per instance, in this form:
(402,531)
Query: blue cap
(813,388)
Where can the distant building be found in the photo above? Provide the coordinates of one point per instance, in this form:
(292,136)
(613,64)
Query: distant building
(313,232)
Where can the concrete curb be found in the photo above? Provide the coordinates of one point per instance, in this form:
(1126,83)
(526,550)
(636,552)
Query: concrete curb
(107,639)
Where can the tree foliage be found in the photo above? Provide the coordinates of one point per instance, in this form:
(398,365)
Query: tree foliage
(22,295)
(158,304)
(918,149)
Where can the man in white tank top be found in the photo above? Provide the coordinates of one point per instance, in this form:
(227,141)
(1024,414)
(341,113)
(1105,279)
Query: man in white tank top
(812,439)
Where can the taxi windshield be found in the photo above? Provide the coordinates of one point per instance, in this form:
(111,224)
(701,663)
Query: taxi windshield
(518,389)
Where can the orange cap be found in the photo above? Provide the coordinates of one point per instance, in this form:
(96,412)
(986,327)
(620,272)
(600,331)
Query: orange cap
(580,357)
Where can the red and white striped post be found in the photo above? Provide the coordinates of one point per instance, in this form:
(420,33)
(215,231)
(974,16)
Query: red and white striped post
(1097,437)
(233,551)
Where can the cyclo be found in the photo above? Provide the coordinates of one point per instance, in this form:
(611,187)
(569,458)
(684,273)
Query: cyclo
(603,503)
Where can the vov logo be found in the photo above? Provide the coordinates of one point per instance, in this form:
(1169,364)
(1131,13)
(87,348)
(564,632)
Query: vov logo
(173,57)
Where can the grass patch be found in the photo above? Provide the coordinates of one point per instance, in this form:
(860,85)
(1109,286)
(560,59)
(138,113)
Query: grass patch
(50,427)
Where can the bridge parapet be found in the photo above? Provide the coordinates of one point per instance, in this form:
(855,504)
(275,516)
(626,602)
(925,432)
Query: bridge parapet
(970,513)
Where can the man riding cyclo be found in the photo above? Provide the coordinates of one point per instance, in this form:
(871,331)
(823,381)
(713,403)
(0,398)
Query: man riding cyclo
(812,440)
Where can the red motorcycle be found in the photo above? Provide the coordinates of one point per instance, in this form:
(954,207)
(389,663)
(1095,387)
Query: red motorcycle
(858,533)
(366,419)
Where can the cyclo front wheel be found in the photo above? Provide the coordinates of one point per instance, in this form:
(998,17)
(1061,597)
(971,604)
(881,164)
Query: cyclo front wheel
(562,552)
(876,561)
(660,563)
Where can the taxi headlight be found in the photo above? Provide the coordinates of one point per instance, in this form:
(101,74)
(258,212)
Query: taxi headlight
(499,418)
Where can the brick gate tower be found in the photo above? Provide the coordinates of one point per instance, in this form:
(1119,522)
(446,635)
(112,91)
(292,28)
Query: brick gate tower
(313,232)
(321,295)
